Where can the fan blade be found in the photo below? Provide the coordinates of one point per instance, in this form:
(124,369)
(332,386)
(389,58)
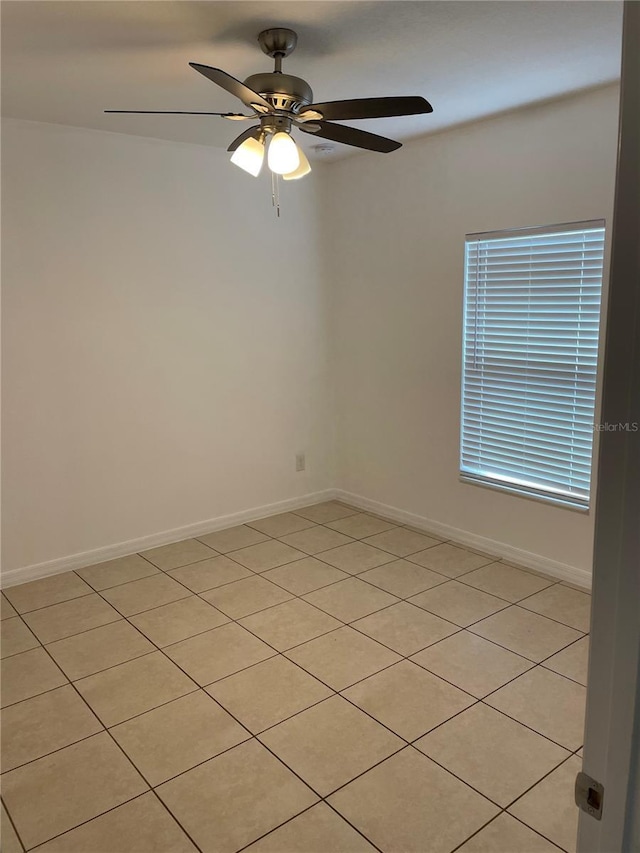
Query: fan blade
(250,131)
(370,108)
(244,93)
(177,113)
(351,136)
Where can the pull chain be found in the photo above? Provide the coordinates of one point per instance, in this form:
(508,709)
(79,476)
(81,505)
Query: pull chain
(275,192)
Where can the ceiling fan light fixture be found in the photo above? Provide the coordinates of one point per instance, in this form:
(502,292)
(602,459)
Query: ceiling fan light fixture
(279,101)
(249,156)
(283,156)
(303,169)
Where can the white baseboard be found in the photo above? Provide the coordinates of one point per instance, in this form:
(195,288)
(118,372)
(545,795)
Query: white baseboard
(123,549)
(526,559)
(502,551)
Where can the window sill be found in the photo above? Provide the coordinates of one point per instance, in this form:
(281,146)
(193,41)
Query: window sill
(496,486)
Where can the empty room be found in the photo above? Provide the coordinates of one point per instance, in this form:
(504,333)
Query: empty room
(304,390)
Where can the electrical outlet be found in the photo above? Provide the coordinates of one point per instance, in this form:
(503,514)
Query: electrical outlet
(300,461)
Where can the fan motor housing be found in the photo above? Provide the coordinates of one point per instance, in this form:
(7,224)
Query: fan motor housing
(283,91)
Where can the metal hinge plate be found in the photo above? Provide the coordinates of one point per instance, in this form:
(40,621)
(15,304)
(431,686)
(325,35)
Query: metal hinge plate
(589,795)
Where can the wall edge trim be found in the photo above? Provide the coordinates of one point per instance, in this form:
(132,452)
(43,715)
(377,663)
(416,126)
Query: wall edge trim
(501,550)
(83,559)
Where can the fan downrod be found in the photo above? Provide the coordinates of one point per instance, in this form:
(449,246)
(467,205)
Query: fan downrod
(278,42)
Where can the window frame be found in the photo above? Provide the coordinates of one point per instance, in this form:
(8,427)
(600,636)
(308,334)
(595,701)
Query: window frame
(506,485)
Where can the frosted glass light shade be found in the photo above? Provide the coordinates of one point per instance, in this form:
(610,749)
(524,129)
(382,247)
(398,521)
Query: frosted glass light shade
(283,156)
(249,156)
(303,169)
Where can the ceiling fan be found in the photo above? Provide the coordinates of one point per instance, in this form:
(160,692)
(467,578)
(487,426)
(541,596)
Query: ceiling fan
(281,101)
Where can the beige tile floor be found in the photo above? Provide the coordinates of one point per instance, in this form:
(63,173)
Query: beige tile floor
(323,681)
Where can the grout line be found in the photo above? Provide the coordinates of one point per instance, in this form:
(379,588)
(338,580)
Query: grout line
(506,648)
(333,500)
(155,606)
(219,586)
(146,781)
(289,648)
(251,736)
(413,742)
(106,668)
(280,825)
(237,622)
(406,597)
(237,619)
(484,825)
(531,787)
(119,618)
(35,695)
(338,692)
(352,825)
(277,652)
(15,829)
(357,618)
(156,571)
(443,574)
(84,822)
(59,748)
(408,658)
(95,734)
(392,559)
(495,817)
(406,745)
(209,758)
(252,525)
(452,683)
(309,591)
(504,714)
(460,579)
(466,628)
(254,663)
(526,726)
(563,649)
(31,649)
(134,766)
(518,602)
(54,604)
(172,815)
(537,832)
(503,809)
(257,735)
(108,727)
(156,649)
(322,801)
(211,556)
(226,621)
(551,619)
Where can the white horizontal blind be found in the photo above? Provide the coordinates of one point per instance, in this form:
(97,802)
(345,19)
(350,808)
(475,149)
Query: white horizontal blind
(532,309)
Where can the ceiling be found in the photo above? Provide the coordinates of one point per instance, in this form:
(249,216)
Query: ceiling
(65,62)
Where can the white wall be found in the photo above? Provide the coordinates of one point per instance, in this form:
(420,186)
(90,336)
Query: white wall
(396,227)
(161,365)
(161,368)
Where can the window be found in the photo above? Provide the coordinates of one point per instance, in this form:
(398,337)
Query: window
(531,317)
